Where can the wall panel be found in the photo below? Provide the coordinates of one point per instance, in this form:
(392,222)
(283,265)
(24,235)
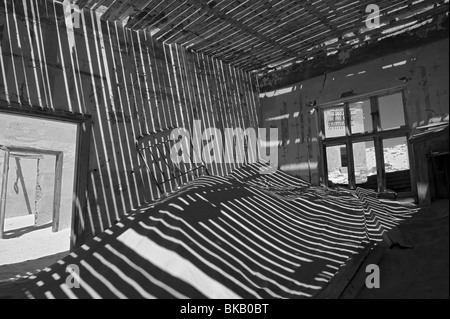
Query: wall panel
(129,84)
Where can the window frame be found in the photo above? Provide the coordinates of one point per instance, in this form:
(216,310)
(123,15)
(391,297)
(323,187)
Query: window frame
(377,136)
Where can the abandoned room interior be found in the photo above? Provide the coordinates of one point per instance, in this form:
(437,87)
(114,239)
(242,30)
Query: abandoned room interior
(224,148)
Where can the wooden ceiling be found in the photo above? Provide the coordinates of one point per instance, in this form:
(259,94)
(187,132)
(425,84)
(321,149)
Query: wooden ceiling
(259,35)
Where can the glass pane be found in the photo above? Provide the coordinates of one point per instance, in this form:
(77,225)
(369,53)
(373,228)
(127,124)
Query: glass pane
(365,165)
(391,111)
(361,117)
(396,162)
(334,120)
(337,162)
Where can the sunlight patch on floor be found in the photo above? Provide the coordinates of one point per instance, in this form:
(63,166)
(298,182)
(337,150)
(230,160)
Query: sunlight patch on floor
(22,242)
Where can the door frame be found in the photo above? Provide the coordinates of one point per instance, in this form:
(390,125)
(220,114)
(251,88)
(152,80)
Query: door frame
(79,231)
(12,151)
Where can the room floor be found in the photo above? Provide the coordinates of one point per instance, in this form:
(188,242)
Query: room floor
(421,272)
(24,244)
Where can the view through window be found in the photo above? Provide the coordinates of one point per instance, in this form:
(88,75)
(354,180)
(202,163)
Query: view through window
(376,125)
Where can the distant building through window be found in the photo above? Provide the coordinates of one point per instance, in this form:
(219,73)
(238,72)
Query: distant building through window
(376,125)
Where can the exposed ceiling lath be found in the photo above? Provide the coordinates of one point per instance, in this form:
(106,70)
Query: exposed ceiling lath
(259,35)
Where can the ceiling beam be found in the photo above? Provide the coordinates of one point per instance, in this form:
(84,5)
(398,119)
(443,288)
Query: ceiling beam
(242,27)
(374,35)
(90,4)
(307,5)
(271,18)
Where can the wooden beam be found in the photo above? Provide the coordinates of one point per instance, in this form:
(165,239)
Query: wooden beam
(410,147)
(139,13)
(152,12)
(310,8)
(80,204)
(30,150)
(176,21)
(84,3)
(335,141)
(116,9)
(242,27)
(323,167)
(358,281)
(265,20)
(57,191)
(348,271)
(421,170)
(379,150)
(27,156)
(3,192)
(349,145)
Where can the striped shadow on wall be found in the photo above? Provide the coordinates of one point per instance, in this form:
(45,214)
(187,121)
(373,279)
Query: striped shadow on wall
(128,83)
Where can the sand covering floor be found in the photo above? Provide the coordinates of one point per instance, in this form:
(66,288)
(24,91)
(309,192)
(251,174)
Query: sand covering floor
(244,236)
(23,242)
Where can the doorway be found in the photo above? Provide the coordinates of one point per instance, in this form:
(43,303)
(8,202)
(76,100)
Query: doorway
(32,186)
(38,169)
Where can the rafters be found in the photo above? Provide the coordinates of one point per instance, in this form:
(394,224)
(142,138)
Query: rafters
(258,35)
(242,27)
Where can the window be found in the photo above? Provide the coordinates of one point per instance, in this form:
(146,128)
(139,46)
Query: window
(365,142)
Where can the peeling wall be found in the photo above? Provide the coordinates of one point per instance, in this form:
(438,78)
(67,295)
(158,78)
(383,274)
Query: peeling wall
(422,71)
(130,85)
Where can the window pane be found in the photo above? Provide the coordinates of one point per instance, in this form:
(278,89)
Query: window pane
(365,165)
(334,122)
(337,162)
(396,162)
(396,154)
(391,111)
(361,117)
